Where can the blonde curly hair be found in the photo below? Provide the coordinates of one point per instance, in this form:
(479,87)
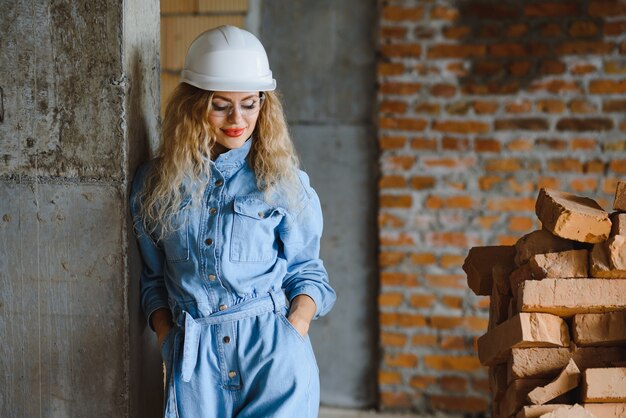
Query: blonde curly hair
(187,140)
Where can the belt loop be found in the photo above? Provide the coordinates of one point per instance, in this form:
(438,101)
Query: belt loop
(190,346)
(274,302)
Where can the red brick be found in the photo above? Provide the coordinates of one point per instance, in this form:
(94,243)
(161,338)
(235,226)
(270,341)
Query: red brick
(401,360)
(615,67)
(458,403)
(551,30)
(444,13)
(519,68)
(464,127)
(520,223)
(607,86)
(443,90)
(392,182)
(520,144)
(389,220)
(545,9)
(582,106)
(456,51)
(446,281)
(391,142)
(524,106)
(389,378)
(560,165)
(401,50)
(388,68)
(453,383)
(550,106)
(393,106)
(517,30)
(614,28)
(455,144)
(395,399)
(517,204)
(487,145)
(393,32)
(603,8)
(402,319)
(583,29)
(485,107)
(556,87)
(397,14)
(584,144)
(503,164)
(390,299)
(422,183)
(390,258)
(582,125)
(552,68)
(398,279)
(404,124)
(396,201)
(456,32)
(400,88)
(528,124)
(422,301)
(400,161)
(453,342)
(496,11)
(422,382)
(582,69)
(458,163)
(584,185)
(452,363)
(585,47)
(451,260)
(393,339)
(428,108)
(424,340)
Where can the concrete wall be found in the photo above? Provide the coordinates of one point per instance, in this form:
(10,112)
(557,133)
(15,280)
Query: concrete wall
(322,54)
(79,100)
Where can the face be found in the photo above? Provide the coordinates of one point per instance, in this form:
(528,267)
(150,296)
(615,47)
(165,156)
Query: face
(234,116)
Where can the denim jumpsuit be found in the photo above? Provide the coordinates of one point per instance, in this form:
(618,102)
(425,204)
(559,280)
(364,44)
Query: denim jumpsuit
(227,273)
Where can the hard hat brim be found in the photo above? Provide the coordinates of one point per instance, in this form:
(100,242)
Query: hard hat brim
(218,84)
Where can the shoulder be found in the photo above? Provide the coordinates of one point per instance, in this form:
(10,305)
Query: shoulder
(139,179)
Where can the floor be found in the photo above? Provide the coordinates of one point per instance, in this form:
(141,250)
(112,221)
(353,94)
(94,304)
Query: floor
(350,413)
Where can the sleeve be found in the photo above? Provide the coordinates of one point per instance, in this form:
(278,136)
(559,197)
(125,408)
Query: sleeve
(152,284)
(300,235)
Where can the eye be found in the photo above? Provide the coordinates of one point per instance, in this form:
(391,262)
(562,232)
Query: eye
(250,105)
(219,106)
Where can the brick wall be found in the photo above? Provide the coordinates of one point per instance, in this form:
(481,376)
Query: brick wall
(181,22)
(480,104)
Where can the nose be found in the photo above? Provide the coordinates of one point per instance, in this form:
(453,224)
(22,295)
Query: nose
(234,114)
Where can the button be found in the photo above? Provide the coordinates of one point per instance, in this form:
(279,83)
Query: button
(261,214)
(232,374)
(219,182)
(212,211)
(226,339)
(212,277)
(208,241)
(223,307)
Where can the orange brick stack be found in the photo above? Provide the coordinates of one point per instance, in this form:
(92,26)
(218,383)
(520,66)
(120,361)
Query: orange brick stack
(557,319)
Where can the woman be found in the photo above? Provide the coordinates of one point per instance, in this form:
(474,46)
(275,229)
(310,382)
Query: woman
(229,231)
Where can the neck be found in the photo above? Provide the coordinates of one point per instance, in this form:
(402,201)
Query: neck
(217,150)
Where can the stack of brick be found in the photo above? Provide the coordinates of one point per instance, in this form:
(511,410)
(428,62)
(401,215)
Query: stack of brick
(557,320)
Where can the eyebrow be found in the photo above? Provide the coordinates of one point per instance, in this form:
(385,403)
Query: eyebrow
(217,96)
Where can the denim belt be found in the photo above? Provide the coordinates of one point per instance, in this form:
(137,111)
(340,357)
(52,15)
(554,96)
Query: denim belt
(272,301)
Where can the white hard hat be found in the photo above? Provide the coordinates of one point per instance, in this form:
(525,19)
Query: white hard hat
(227,59)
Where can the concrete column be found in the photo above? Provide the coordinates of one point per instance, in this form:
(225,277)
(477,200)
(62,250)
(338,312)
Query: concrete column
(323,55)
(79,106)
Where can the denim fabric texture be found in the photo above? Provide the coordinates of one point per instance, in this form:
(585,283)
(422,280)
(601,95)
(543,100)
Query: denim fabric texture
(227,273)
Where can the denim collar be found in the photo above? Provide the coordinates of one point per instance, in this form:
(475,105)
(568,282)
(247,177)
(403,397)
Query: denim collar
(234,157)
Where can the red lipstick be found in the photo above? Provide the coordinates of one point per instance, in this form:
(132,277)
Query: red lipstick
(233,133)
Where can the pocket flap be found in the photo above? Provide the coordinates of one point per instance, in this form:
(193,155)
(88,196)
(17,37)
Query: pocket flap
(253,207)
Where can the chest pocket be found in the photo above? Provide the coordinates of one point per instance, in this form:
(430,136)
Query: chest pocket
(175,244)
(253,237)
